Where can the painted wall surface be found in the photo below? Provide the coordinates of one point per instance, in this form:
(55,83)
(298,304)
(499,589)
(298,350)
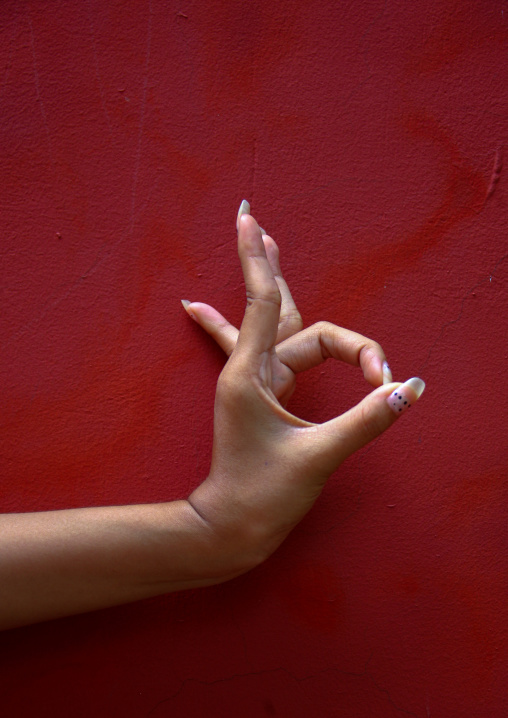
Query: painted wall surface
(369,139)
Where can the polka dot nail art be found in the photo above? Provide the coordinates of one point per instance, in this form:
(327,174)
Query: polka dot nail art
(406,394)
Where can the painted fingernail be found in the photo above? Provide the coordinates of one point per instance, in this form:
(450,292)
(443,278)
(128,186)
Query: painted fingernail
(405,395)
(387,373)
(244,209)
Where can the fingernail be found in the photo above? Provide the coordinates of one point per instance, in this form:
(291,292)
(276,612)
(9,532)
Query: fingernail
(262,230)
(405,395)
(185,304)
(244,209)
(387,373)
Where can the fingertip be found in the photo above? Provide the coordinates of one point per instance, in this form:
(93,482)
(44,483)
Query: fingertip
(374,366)
(417,385)
(187,305)
(200,312)
(250,241)
(243,209)
(405,395)
(270,242)
(247,220)
(272,252)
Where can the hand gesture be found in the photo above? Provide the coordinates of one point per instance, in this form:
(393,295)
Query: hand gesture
(268,466)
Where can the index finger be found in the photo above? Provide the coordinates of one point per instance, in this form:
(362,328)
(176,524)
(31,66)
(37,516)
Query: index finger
(324,340)
(258,332)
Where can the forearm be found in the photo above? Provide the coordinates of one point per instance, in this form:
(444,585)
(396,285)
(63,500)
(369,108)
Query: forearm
(59,563)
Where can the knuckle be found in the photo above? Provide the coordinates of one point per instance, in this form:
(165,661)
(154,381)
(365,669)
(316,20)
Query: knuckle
(321,326)
(229,386)
(324,329)
(292,318)
(269,293)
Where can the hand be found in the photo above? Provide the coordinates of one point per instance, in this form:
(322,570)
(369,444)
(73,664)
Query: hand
(310,348)
(268,466)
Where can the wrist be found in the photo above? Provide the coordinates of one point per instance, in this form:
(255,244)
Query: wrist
(242,537)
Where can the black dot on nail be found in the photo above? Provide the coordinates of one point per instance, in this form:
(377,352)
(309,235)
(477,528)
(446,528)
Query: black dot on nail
(395,393)
(405,402)
(400,409)
(400,398)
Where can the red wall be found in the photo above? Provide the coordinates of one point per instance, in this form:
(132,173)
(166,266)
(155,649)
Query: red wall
(368,138)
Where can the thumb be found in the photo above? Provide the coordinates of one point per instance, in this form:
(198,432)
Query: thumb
(368,419)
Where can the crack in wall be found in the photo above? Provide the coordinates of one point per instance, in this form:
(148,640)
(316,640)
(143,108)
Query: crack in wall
(352,674)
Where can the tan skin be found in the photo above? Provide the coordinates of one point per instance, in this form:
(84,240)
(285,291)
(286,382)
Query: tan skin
(298,456)
(267,469)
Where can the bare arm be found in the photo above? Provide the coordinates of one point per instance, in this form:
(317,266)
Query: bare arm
(58,563)
(268,468)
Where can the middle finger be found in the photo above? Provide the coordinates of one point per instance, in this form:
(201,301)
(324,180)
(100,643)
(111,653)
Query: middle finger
(290,320)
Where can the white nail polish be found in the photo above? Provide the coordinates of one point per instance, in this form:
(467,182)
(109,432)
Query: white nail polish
(387,373)
(244,209)
(405,395)
(416,384)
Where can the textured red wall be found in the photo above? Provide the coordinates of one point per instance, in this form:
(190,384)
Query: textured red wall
(368,138)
